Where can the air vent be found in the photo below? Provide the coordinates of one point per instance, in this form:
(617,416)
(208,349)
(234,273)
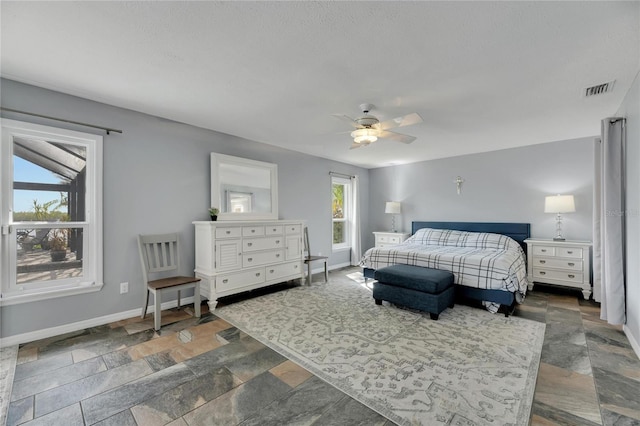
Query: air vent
(600,89)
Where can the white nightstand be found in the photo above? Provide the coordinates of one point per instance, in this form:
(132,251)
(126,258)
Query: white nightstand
(566,263)
(384,239)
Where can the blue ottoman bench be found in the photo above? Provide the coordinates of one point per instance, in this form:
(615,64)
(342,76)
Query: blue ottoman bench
(426,289)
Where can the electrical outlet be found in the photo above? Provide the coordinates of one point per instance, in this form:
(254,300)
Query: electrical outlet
(124,288)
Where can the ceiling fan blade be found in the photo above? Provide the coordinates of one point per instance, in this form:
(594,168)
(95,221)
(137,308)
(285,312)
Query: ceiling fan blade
(405,120)
(398,137)
(346,118)
(355,145)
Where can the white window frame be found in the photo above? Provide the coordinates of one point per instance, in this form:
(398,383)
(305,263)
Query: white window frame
(347,213)
(92,277)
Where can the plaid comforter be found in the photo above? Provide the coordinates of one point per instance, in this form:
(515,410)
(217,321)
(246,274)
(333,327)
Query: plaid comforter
(479,260)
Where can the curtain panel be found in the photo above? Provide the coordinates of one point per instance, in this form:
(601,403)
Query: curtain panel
(356,250)
(609,221)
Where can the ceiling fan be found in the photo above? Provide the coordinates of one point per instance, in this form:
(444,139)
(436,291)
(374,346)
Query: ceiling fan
(369,129)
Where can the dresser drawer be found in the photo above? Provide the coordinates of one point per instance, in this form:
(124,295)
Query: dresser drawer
(228,233)
(280,271)
(254,244)
(252,231)
(572,252)
(292,229)
(381,245)
(390,239)
(572,265)
(262,258)
(273,230)
(544,251)
(543,274)
(385,239)
(240,279)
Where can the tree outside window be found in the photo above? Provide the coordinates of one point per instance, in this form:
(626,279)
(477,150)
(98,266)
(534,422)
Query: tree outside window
(340,212)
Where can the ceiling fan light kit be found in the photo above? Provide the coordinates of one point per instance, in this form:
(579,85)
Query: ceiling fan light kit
(364,135)
(369,129)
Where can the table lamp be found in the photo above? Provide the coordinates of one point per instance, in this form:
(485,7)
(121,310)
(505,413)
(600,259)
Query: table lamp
(559,204)
(393,208)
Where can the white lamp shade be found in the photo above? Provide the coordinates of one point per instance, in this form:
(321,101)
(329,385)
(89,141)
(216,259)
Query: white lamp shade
(392,207)
(559,204)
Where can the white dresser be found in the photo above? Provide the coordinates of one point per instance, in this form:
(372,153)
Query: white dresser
(232,257)
(566,263)
(384,239)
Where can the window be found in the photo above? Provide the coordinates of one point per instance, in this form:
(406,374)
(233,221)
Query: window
(340,202)
(51,216)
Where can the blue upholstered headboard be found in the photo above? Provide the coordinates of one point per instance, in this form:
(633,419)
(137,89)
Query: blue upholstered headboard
(517,231)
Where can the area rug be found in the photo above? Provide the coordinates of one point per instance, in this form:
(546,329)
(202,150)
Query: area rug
(470,367)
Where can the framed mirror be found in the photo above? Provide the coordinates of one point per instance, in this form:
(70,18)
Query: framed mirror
(244,189)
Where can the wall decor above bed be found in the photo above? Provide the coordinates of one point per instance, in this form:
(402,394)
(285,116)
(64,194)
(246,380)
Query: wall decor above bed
(459,181)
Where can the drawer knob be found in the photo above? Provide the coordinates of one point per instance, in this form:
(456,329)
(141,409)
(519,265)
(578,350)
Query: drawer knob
(271,271)
(250,259)
(249,244)
(543,261)
(225,281)
(571,264)
(274,229)
(295,267)
(571,276)
(278,255)
(228,232)
(253,230)
(277,241)
(543,250)
(570,251)
(257,274)
(543,273)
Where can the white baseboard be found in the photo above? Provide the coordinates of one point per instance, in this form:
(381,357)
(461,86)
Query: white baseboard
(632,340)
(81,325)
(339,265)
(329,268)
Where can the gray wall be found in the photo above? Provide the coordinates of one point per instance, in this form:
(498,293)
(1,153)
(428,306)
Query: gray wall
(630,109)
(500,186)
(156,179)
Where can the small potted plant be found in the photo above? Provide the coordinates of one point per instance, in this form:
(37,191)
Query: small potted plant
(213,212)
(58,245)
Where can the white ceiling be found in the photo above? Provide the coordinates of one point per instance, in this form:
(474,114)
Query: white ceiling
(483,75)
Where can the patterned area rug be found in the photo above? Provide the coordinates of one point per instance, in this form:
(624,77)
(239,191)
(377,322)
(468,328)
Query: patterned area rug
(470,367)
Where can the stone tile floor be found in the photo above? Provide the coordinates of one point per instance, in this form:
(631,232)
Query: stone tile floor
(589,374)
(206,372)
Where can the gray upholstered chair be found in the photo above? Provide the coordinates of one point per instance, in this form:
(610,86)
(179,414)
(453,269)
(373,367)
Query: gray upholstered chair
(308,259)
(160,256)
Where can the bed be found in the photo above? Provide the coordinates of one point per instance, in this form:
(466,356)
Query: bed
(487,266)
